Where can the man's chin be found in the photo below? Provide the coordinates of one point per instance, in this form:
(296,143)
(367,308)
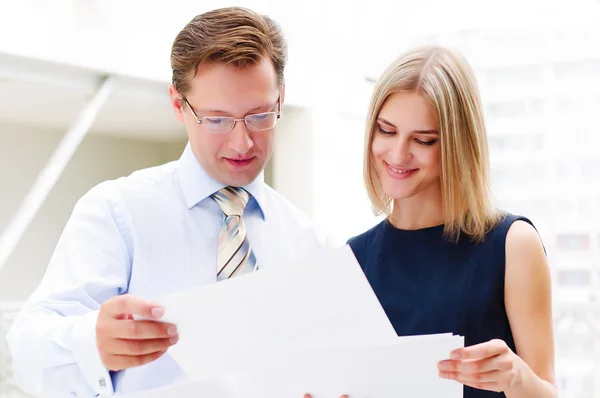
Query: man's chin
(239,179)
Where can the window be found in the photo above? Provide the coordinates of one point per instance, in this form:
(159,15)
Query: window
(567,170)
(591,171)
(508,142)
(516,207)
(536,106)
(505,41)
(573,242)
(512,109)
(509,175)
(537,141)
(588,207)
(583,346)
(593,66)
(570,71)
(515,76)
(539,210)
(574,278)
(568,105)
(578,71)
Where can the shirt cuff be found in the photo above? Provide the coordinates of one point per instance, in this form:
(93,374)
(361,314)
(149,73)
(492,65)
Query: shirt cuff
(87,357)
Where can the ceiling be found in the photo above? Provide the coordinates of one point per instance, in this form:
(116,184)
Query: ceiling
(48,96)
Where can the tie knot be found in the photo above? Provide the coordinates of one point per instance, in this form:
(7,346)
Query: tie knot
(232,200)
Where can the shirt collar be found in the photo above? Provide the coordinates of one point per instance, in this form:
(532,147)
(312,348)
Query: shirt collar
(197,185)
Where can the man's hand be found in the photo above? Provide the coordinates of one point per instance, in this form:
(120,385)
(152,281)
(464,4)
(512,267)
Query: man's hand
(125,343)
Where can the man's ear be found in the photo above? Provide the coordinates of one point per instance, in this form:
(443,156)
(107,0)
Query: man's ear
(282,95)
(176,102)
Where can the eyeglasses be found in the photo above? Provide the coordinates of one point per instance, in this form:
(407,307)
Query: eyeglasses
(224,124)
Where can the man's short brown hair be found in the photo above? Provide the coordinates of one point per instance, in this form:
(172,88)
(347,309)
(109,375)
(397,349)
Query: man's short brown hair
(234,36)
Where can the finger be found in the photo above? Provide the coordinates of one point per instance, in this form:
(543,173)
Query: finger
(499,362)
(138,330)
(307,396)
(484,350)
(121,306)
(120,362)
(494,376)
(138,347)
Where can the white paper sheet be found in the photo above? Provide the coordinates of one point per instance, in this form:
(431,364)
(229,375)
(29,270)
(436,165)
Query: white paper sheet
(232,326)
(406,368)
(223,387)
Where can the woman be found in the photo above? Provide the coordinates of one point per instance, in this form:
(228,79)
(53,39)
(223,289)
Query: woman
(444,259)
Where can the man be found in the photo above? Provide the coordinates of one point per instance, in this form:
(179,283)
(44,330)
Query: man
(170,227)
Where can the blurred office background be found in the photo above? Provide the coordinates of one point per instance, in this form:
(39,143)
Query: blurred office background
(538,65)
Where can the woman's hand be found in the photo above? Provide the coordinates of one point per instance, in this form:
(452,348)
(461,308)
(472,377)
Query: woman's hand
(491,366)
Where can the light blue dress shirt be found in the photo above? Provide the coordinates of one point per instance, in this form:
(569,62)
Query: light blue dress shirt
(149,234)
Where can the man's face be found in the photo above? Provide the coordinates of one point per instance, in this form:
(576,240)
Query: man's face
(238,156)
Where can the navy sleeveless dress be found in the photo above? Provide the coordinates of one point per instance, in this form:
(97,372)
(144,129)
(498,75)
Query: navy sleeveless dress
(428,285)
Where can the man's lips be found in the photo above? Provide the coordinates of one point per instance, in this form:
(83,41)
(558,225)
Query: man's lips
(240,162)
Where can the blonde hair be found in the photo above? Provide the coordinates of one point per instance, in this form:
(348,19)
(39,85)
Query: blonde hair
(235,36)
(446,80)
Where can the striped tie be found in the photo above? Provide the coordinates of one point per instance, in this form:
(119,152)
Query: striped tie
(235,256)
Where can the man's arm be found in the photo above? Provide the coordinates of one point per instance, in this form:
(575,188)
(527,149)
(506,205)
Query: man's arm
(53,339)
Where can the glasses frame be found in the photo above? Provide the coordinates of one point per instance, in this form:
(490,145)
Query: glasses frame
(200,120)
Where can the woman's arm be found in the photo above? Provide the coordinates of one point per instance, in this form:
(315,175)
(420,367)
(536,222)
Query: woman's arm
(492,365)
(528,301)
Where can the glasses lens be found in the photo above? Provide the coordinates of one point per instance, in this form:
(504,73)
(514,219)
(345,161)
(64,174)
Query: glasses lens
(261,121)
(218,124)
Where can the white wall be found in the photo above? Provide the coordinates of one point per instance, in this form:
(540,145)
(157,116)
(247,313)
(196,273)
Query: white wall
(318,165)
(339,106)
(23,152)
(342,207)
(291,168)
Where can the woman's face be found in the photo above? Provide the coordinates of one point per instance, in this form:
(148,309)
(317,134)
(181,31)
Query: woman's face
(406,147)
